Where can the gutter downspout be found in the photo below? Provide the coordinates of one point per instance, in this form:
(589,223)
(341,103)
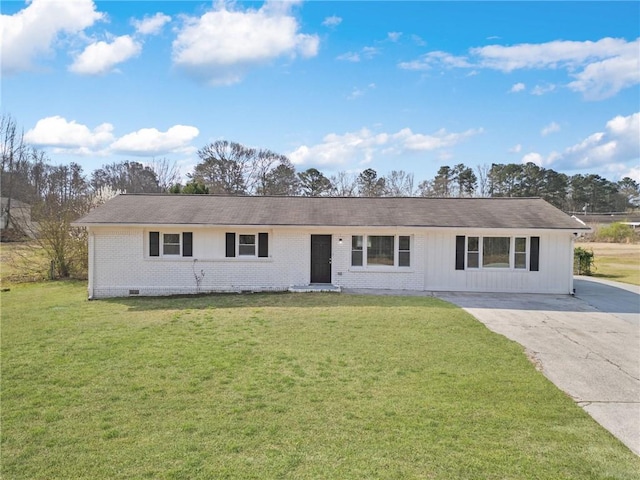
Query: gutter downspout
(92,263)
(571,289)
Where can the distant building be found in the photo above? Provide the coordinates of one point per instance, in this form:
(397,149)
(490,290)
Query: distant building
(20,213)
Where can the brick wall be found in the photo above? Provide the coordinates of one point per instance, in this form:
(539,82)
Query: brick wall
(120,264)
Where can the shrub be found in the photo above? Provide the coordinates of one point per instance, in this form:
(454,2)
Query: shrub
(582,261)
(616,233)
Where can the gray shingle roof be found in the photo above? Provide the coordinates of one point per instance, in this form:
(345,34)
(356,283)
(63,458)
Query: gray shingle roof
(330,211)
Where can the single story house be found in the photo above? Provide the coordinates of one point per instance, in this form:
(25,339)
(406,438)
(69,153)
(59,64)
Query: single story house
(180,244)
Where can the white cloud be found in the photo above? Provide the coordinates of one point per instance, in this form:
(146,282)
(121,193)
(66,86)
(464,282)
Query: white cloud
(31,32)
(349,57)
(551,128)
(366,53)
(222,45)
(57,132)
(533,158)
(517,87)
(434,60)
(151,142)
(73,138)
(440,139)
(599,69)
(359,92)
(418,40)
(552,55)
(362,146)
(516,149)
(618,146)
(633,173)
(341,149)
(394,36)
(151,25)
(542,89)
(101,57)
(332,21)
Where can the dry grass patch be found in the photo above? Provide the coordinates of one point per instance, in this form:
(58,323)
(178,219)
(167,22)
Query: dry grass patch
(615,261)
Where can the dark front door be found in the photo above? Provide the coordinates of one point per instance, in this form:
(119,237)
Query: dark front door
(320,258)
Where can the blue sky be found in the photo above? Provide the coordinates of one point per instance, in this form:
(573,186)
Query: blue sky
(339,86)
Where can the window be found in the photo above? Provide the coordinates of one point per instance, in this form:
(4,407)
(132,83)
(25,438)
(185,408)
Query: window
(356,250)
(404,251)
(170,244)
(495,252)
(380,250)
(520,255)
(473,252)
(247,245)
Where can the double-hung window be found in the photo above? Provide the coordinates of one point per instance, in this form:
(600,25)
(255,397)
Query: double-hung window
(247,245)
(357,248)
(170,244)
(520,253)
(380,251)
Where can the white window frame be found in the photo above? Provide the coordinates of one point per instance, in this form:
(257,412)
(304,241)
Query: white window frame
(512,253)
(163,243)
(396,253)
(255,244)
(527,250)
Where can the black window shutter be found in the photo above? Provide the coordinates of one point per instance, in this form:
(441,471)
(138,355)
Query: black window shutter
(534,258)
(459,252)
(231,245)
(154,244)
(187,244)
(263,244)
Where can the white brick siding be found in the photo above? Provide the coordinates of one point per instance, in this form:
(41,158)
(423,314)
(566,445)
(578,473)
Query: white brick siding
(120,264)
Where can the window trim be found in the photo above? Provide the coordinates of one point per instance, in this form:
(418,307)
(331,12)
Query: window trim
(377,267)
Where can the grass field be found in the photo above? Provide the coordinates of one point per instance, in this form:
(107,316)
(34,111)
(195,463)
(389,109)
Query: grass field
(293,386)
(615,261)
(22,262)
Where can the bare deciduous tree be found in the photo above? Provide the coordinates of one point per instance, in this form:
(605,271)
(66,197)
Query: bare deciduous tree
(399,184)
(482,172)
(344,184)
(167,173)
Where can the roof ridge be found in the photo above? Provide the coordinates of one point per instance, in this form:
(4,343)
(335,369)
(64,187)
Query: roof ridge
(373,198)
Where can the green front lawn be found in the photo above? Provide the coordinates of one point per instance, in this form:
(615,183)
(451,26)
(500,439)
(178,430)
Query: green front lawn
(279,386)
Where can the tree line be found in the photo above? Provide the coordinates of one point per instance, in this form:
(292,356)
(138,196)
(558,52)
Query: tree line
(231,168)
(59,194)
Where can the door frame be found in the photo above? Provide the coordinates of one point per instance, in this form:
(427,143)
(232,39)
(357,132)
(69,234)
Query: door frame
(329,259)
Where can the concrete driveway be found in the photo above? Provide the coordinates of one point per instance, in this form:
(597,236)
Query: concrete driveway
(587,345)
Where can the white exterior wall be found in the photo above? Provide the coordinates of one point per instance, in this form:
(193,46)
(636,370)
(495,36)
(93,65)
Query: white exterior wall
(119,262)
(555,273)
(396,278)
